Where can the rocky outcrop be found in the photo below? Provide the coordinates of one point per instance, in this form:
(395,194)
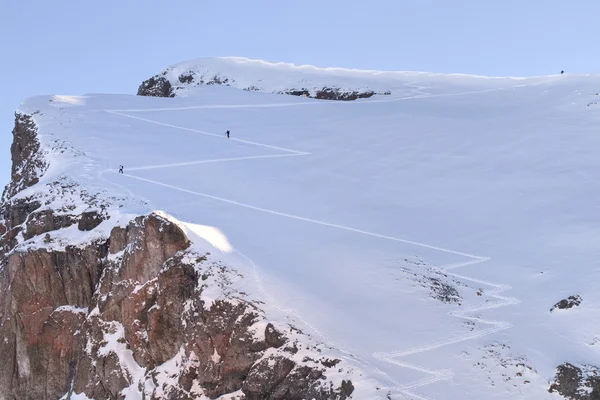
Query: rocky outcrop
(157,86)
(575,383)
(135,313)
(565,304)
(28,163)
(336,94)
(331,94)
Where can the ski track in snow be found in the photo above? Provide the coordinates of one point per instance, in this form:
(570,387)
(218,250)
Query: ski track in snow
(392,357)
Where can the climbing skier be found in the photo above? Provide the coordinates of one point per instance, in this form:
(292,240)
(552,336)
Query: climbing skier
(120,169)
(227,133)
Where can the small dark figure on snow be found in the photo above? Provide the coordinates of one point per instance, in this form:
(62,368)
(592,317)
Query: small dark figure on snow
(227,133)
(562,72)
(120,169)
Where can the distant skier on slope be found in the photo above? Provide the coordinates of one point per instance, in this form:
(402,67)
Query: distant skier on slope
(562,72)
(227,133)
(120,169)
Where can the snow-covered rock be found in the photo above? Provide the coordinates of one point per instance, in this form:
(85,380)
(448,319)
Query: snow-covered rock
(183,79)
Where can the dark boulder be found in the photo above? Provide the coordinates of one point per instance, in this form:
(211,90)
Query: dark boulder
(570,302)
(576,383)
(157,86)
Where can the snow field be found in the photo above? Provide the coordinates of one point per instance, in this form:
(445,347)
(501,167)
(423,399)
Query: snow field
(323,202)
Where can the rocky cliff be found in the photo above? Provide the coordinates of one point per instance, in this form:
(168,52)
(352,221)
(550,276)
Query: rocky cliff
(111,306)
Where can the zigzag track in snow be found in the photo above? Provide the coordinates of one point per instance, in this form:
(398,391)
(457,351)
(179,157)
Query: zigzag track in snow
(392,357)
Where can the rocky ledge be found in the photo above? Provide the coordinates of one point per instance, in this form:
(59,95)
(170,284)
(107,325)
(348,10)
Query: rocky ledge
(137,312)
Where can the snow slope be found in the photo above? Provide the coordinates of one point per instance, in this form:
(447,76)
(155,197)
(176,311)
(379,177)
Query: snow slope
(425,234)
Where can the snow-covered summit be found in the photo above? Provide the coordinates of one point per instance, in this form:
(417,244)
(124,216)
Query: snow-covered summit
(303,80)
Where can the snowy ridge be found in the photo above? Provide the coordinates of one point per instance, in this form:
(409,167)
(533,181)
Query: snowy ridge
(279,77)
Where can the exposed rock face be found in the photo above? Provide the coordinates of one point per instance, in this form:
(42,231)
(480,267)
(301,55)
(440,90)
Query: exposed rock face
(157,86)
(44,298)
(136,313)
(576,383)
(27,161)
(565,304)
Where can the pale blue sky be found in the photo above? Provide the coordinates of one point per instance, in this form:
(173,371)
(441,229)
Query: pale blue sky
(76,46)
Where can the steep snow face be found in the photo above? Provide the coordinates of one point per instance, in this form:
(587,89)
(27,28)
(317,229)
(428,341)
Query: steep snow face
(425,235)
(303,80)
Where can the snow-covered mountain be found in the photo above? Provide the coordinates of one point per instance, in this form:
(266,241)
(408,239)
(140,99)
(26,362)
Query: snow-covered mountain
(184,79)
(434,242)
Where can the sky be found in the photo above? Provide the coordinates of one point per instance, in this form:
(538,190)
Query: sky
(76,47)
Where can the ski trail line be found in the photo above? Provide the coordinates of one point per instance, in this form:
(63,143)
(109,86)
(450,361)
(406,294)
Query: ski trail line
(207,133)
(183,164)
(297,217)
(392,357)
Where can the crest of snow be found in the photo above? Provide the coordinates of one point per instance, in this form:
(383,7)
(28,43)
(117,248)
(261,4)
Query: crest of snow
(277,77)
(208,233)
(72,100)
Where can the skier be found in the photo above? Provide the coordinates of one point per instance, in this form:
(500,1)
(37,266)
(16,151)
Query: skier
(562,72)
(227,133)
(120,169)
